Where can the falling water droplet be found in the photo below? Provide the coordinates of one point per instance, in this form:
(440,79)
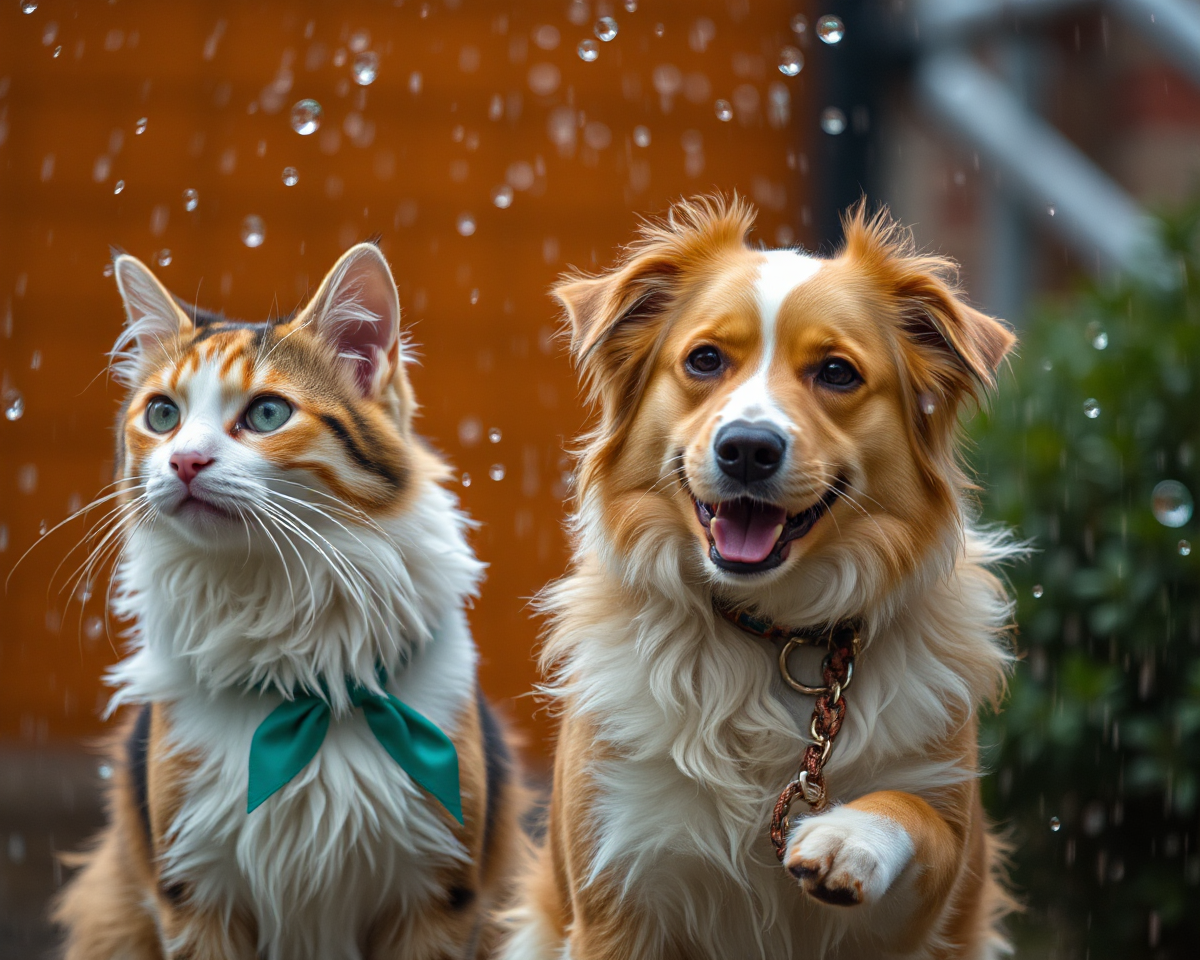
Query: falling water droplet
(474,296)
(1097,335)
(1185,548)
(1172,504)
(831,29)
(833,121)
(724,110)
(1055,824)
(800,25)
(108,269)
(306,117)
(254,231)
(494,435)
(465,224)
(1051,210)
(466,479)
(291,176)
(496,471)
(1091,409)
(589,50)
(191,199)
(118,186)
(1038,591)
(659,29)
(366,68)
(140,127)
(164,257)
(28,6)
(502,196)
(93,628)
(928,404)
(57,51)
(104,771)
(605,29)
(631,6)
(43,528)
(641,136)
(14,405)
(84,591)
(791,61)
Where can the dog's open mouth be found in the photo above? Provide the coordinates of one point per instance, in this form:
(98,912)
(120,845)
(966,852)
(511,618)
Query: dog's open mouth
(749,536)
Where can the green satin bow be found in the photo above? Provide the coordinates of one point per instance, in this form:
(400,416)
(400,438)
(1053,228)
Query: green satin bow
(293,732)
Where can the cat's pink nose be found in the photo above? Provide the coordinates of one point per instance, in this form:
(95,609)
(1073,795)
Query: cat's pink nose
(187,465)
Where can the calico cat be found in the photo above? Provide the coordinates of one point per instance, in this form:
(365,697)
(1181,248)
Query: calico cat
(308,769)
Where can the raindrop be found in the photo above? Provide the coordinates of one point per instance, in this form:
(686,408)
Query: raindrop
(1051,210)
(833,121)
(791,61)
(659,29)
(631,6)
(494,435)
(589,50)
(605,29)
(291,176)
(306,117)
(1047,365)
(108,270)
(474,297)
(28,6)
(465,224)
(1055,824)
(1185,548)
(105,771)
(191,199)
(57,51)
(1097,335)
(1038,591)
(466,479)
(254,231)
(140,127)
(93,628)
(496,471)
(1171,502)
(831,29)
(366,68)
(928,404)
(800,25)
(1091,409)
(724,110)
(641,136)
(14,405)
(84,593)
(359,40)
(118,186)
(502,196)
(43,528)
(164,257)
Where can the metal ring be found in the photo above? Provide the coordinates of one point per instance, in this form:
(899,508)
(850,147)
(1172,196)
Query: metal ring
(791,681)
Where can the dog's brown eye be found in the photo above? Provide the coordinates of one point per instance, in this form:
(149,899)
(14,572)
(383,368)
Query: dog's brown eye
(705,361)
(838,374)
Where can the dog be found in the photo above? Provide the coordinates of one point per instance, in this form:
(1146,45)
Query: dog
(781,617)
(308,768)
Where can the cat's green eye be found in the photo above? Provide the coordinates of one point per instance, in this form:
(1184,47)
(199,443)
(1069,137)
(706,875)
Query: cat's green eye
(268,413)
(162,415)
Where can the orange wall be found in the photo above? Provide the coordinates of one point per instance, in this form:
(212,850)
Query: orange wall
(215,82)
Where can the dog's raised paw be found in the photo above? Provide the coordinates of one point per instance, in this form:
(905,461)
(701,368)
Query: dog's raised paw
(847,857)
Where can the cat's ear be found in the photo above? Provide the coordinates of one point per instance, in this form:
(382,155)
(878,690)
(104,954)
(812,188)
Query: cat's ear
(152,318)
(357,310)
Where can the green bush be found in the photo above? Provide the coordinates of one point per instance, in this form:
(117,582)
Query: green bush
(1095,758)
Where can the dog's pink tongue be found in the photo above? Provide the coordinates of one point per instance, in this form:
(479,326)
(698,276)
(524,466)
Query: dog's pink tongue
(745,531)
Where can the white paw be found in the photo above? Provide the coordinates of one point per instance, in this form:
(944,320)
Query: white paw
(846,857)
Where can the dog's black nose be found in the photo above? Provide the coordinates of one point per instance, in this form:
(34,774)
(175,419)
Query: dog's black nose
(749,451)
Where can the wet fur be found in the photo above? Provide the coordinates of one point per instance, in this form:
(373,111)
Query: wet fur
(676,731)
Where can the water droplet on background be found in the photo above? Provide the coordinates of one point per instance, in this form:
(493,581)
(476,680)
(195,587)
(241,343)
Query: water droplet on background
(496,471)
(306,117)
(589,50)
(1185,548)
(1038,591)
(641,136)
(800,25)
(1172,503)
(502,196)
(366,68)
(791,61)
(466,479)
(140,127)
(164,257)
(833,121)
(14,405)
(191,199)
(118,187)
(28,6)
(254,231)
(1091,408)
(724,110)
(494,435)
(291,176)
(465,224)
(605,29)
(831,29)
(1055,824)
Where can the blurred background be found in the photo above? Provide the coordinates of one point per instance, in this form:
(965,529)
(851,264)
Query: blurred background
(1051,146)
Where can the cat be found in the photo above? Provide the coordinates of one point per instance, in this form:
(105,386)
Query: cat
(307,768)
